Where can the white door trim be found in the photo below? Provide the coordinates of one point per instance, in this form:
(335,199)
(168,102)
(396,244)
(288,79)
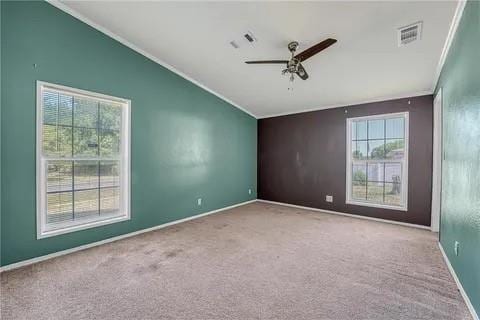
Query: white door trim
(437,161)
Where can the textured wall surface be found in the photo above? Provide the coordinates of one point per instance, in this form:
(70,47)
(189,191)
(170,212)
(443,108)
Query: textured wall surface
(460,214)
(302,158)
(186,142)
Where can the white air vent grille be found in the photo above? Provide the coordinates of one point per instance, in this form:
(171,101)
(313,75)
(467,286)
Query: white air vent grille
(409,34)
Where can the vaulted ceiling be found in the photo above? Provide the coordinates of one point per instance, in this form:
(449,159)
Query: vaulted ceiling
(366,64)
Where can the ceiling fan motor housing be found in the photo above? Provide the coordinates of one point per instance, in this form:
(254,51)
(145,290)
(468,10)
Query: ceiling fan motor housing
(292,65)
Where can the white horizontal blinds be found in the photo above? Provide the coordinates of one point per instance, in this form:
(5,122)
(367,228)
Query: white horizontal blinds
(81,143)
(59,191)
(57,124)
(109,129)
(86,189)
(85,130)
(109,186)
(378,157)
(110,124)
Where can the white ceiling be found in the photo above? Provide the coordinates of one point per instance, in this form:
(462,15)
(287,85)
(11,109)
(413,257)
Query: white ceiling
(364,65)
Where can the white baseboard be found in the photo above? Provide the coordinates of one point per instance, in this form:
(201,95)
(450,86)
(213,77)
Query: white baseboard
(347,214)
(123,236)
(459,284)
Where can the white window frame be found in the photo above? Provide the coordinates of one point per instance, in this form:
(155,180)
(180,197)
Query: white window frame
(404,185)
(43,231)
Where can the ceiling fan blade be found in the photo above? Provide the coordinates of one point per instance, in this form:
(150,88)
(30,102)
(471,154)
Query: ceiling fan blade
(304,55)
(302,73)
(266,61)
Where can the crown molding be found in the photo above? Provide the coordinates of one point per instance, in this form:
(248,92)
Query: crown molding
(65,8)
(353,104)
(448,42)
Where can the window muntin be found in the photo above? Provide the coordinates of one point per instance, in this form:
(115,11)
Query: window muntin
(377,161)
(82,159)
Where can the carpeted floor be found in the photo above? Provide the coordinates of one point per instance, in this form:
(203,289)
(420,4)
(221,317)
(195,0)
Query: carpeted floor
(258,261)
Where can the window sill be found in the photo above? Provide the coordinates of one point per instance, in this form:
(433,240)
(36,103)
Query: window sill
(376,205)
(67,228)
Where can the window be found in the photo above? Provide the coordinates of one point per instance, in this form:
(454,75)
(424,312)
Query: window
(377,161)
(83,165)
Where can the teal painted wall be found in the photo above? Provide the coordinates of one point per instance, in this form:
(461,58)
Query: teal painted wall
(186,142)
(460,216)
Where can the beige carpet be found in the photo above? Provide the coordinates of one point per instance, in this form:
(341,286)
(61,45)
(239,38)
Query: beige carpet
(258,261)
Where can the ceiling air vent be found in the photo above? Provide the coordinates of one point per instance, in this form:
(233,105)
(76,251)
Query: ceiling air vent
(250,37)
(409,34)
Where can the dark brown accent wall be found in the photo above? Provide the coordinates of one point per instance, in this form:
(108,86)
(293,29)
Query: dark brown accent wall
(302,158)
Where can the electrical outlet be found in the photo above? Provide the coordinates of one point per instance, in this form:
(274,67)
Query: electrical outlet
(456,248)
(199,201)
(249,191)
(329,198)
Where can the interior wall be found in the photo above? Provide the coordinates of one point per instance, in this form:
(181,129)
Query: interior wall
(186,142)
(302,158)
(460,211)
(1,53)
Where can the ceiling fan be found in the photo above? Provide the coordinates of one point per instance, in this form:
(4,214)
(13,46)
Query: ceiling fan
(294,65)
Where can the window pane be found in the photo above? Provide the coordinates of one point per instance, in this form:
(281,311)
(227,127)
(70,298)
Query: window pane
(376,129)
(49,139)
(59,207)
(86,175)
(359,150)
(376,149)
(109,173)
(110,182)
(109,143)
(57,109)
(57,122)
(85,142)
(86,203)
(86,113)
(375,172)
(65,110)
(361,130)
(86,188)
(393,194)
(395,128)
(359,173)
(59,195)
(110,116)
(375,192)
(59,176)
(395,149)
(50,107)
(359,191)
(110,200)
(393,172)
(57,140)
